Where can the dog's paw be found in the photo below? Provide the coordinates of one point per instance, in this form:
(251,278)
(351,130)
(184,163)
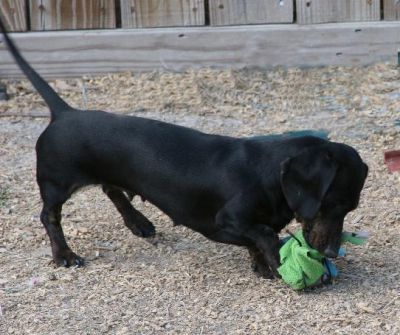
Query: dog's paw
(142,228)
(147,230)
(68,259)
(262,271)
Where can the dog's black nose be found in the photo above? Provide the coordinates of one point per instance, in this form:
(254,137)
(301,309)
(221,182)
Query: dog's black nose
(330,253)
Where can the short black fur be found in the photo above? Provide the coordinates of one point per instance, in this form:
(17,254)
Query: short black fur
(231,190)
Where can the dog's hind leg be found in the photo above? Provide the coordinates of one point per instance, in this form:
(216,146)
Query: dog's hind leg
(53,198)
(138,224)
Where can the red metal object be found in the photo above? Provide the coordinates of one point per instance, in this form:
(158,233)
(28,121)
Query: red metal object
(392,160)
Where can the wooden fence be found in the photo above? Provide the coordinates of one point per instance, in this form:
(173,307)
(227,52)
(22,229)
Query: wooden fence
(35,15)
(205,33)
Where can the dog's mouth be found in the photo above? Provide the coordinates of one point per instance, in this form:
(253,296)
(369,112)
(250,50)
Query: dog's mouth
(319,242)
(329,250)
(317,238)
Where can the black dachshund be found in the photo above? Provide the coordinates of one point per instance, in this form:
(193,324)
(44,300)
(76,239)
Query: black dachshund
(231,190)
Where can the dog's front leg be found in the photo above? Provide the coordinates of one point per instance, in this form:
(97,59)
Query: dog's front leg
(266,242)
(236,226)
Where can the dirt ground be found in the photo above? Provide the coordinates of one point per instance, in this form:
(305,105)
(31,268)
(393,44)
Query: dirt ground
(187,284)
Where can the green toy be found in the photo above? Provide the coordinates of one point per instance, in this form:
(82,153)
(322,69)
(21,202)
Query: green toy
(302,266)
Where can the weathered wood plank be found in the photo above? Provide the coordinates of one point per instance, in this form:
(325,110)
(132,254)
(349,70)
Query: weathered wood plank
(231,12)
(391,10)
(14,14)
(72,14)
(76,53)
(162,13)
(322,11)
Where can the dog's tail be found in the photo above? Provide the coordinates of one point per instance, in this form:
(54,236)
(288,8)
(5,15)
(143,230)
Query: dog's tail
(52,99)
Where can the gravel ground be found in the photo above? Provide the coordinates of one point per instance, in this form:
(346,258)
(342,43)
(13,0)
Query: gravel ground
(187,284)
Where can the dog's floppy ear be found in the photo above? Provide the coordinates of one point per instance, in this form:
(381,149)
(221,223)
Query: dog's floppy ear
(305,179)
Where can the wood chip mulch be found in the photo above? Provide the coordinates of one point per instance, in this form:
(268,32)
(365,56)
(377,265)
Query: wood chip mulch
(187,284)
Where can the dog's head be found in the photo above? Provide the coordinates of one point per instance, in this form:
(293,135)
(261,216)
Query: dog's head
(321,185)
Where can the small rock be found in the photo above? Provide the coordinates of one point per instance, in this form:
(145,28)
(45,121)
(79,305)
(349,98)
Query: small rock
(52,276)
(365,308)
